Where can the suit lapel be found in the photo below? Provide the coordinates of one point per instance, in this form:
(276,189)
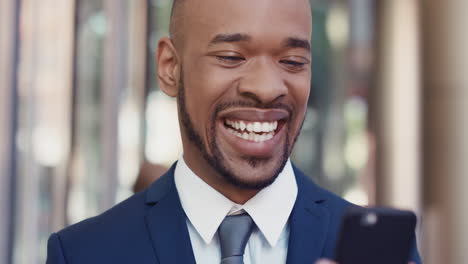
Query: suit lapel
(166,222)
(308,224)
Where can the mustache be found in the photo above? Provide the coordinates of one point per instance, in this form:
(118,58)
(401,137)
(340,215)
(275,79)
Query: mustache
(273,105)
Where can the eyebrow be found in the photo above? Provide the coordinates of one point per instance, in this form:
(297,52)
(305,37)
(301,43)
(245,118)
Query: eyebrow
(297,43)
(291,42)
(236,37)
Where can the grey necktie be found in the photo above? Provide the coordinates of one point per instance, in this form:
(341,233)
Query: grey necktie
(234,232)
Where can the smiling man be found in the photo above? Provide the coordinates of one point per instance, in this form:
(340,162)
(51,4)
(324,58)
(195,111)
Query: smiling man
(242,83)
(240,70)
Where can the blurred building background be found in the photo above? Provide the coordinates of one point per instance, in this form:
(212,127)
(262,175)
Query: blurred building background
(81,112)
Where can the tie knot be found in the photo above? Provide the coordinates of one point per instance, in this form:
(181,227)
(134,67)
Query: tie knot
(234,232)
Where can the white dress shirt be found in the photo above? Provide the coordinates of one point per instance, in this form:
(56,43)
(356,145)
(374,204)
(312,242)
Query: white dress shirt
(206,208)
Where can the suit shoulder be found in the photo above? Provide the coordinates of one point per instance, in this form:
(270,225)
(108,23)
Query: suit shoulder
(125,219)
(110,236)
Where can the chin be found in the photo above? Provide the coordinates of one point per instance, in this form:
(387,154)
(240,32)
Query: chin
(253,173)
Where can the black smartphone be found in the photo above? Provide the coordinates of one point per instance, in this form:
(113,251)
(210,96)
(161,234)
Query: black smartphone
(376,235)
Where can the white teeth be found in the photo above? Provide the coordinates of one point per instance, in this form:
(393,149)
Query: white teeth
(261,138)
(252,136)
(250,127)
(242,126)
(257,127)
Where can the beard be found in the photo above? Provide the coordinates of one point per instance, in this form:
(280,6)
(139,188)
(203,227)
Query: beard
(217,160)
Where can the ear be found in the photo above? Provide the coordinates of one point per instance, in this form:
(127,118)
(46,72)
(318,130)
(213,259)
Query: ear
(168,67)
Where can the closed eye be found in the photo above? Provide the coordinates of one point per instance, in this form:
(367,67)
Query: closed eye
(230,59)
(294,65)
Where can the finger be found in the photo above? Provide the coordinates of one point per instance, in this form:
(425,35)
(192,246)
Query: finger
(325,261)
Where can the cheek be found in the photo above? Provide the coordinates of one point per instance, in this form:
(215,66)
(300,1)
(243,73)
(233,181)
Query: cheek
(300,91)
(204,88)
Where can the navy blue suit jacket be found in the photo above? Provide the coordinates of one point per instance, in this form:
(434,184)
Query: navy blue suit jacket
(150,227)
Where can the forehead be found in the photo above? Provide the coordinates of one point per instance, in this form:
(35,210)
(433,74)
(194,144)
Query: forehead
(261,19)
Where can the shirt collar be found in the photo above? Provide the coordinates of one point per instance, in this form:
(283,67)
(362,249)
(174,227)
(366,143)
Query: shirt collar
(269,209)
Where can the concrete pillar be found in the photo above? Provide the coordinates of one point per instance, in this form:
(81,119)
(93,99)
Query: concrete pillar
(115,80)
(398,105)
(445,60)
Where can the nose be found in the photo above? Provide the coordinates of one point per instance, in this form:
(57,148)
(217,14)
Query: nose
(263,83)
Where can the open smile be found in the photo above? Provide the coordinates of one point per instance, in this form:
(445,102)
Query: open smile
(254,132)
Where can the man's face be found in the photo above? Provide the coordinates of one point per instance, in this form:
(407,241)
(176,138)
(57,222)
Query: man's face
(244,85)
